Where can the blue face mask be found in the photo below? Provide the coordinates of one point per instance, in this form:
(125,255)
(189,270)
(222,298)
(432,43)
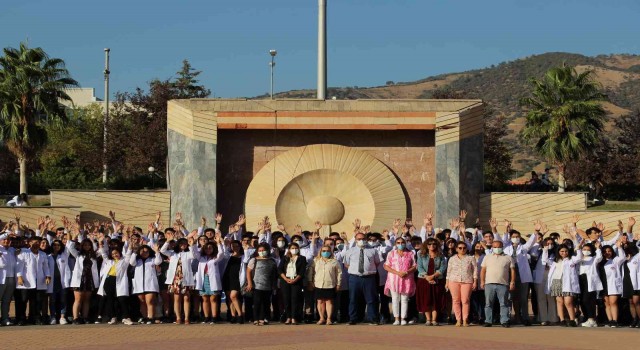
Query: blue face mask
(497,251)
(326,255)
(341,246)
(400,246)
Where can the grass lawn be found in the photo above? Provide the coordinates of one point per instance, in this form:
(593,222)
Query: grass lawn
(617,206)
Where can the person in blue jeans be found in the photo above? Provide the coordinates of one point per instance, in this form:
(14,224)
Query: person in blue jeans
(362,264)
(497,278)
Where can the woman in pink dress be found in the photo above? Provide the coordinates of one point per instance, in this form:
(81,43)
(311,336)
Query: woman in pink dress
(400,285)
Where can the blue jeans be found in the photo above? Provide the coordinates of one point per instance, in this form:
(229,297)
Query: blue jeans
(58,303)
(363,287)
(500,291)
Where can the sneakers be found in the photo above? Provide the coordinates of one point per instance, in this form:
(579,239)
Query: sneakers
(127,321)
(403,323)
(63,320)
(396,323)
(98,320)
(572,323)
(113,321)
(613,324)
(149,321)
(590,323)
(53,321)
(7,323)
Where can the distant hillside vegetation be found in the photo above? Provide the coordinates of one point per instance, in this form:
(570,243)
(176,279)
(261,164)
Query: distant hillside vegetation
(502,86)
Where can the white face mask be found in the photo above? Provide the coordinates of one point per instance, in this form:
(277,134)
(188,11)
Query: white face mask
(497,251)
(263,254)
(281,244)
(515,240)
(360,243)
(586,252)
(294,251)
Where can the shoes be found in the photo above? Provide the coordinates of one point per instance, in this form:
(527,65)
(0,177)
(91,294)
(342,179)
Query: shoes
(98,320)
(396,323)
(590,323)
(506,325)
(127,321)
(352,323)
(63,320)
(149,321)
(112,321)
(563,323)
(573,323)
(544,323)
(53,321)
(434,323)
(633,324)
(526,324)
(429,323)
(488,324)
(613,324)
(403,323)
(458,324)
(373,324)
(205,320)
(76,321)
(465,324)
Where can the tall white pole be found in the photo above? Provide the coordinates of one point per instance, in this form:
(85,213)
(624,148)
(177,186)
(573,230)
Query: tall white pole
(322,49)
(106,114)
(273,63)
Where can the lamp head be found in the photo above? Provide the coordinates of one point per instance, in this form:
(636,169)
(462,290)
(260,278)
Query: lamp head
(273,53)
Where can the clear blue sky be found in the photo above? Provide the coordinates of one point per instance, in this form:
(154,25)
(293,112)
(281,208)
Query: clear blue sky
(370,41)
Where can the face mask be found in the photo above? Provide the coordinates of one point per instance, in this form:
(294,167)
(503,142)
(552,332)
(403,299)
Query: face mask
(294,251)
(557,241)
(341,246)
(497,250)
(326,255)
(515,240)
(480,251)
(297,242)
(400,246)
(586,252)
(373,244)
(263,254)
(281,244)
(360,243)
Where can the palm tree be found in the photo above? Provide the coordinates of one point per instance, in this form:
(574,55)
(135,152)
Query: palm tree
(565,116)
(31,88)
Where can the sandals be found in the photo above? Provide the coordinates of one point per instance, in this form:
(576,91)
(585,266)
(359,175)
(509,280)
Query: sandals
(329,323)
(321,322)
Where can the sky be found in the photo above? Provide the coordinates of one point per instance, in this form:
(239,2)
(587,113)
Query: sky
(369,41)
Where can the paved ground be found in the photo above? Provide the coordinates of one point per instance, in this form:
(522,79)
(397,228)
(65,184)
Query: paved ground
(311,337)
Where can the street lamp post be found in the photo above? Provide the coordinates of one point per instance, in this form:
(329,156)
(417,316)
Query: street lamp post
(106,114)
(272,64)
(152,171)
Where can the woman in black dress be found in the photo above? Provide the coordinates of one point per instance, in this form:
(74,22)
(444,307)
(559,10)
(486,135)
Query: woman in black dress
(233,273)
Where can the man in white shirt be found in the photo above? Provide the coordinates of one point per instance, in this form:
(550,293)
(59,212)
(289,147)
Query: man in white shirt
(7,277)
(362,263)
(20,200)
(520,253)
(33,276)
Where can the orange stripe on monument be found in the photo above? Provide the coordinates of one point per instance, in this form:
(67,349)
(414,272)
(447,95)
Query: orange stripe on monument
(328,114)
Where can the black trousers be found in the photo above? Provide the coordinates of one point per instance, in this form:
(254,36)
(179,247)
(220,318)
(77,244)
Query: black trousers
(261,304)
(34,298)
(248,308)
(384,304)
(587,299)
(113,302)
(292,298)
(342,301)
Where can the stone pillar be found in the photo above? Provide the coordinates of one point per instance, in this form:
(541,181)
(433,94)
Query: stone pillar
(459,165)
(192,178)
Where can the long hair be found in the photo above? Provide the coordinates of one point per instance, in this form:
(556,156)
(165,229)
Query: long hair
(62,247)
(204,250)
(90,253)
(560,247)
(180,242)
(288,255)
(152,253)
(424,249)
(319,255)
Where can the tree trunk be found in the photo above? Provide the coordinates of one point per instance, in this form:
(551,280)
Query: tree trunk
(562,182)
(23,174)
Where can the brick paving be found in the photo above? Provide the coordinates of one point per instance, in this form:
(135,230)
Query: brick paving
(311,337)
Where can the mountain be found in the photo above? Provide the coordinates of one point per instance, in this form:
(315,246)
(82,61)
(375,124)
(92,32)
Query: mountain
(502,85)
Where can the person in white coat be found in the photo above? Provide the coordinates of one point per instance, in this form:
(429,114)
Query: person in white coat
(84,277)
(180,276)
(563,282)
(514,248)
(631,283)
(34,276)
(60,278)
(609,270)
(546,303)
(590,283)
(114,283)
(145,279)
(208,281)
(7,277)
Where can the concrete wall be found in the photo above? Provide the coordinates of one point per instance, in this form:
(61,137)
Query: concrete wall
(136,208)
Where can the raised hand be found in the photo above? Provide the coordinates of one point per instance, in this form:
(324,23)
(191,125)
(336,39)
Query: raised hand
(218,218)
(281,228)
(356,224)
(112,215)
(241,220)
(298,230)
(600,226)
(493,223)
(318,226)
(158,216)
(574,219)
(463,215)
(537,225)
(203,221)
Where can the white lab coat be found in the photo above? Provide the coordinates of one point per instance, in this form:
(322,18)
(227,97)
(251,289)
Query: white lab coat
(122,280)
(76,274)
(187,258)
(570,280)
(634,271)
(522,257)
(538,272)
(215,282)
(613,273)
(7,263)
(593,279)
(62,260)
(145,278)
(33,268)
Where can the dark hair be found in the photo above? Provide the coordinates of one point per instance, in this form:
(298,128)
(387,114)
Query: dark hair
(560,247)
(448,252)
(117,249)
(209,230)
(266,247)
(204,249)
(91,253)
(631,249)
(288,254)
(57,241)
(591,248)
(235,241)
(592,230)
(152,253)
(180,242)
(293,238)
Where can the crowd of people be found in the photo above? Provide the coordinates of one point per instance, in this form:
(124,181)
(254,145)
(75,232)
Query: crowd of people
(109,272)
